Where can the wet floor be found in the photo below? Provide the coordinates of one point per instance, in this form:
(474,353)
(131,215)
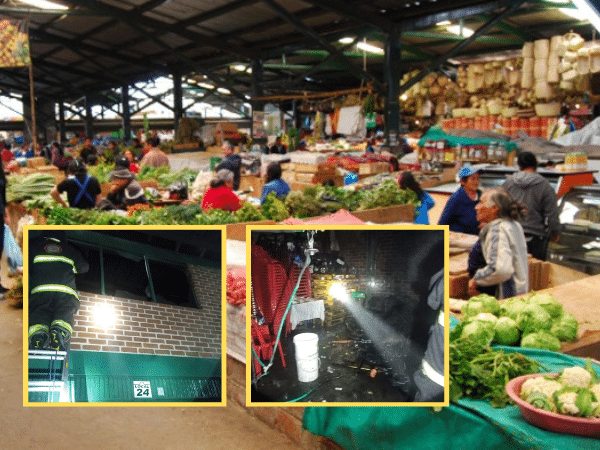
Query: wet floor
(350,370)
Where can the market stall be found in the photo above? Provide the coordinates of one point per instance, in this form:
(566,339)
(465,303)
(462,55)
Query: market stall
(482,413)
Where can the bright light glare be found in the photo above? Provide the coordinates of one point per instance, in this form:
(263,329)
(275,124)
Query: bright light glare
(346,40)
(588,13)
(224,91)
(206,85)
(239,67)
(369,48)
(44,4)
(104,315)
(575,13)
(338,291)
(455,29)
(404,97)
(443,22)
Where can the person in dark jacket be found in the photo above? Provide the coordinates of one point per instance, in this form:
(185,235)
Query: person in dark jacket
(83,191)
(125,190)
(277,148)
(53,298)
(540,223)
(459,212)
(89,153)
(429,379)
(231,162)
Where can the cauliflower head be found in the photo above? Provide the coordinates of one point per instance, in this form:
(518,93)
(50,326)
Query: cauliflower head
(576,377)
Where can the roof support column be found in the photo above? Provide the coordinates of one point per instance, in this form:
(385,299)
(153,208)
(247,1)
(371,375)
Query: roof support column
(177,98)
(61,121)
(392,80)
(89,119)
(256,90)
(126,112)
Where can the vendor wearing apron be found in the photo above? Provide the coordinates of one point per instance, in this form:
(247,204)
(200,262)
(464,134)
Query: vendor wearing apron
(83,191)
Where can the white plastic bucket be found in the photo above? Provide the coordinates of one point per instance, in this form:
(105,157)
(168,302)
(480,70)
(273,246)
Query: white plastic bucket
(307,356)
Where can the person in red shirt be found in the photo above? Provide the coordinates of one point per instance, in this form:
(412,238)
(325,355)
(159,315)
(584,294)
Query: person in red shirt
(7,154)
(220,195)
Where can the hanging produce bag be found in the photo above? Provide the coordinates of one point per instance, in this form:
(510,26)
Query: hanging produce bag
(14,256)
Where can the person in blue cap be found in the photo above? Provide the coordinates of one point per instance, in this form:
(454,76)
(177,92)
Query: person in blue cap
(459,212)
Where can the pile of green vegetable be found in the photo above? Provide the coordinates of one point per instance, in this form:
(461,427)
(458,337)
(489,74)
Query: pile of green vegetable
(575,392)
(480,372)
(101,171)
(27,187)
(152,173)
(186,175)
(320,200)
(170,215)
(537,321)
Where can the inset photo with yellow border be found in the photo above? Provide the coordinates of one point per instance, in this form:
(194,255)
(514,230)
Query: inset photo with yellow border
(124,316)
(347,316)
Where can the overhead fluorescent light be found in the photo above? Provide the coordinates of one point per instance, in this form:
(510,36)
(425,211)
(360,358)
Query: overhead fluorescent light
(443,23)
(44,4)
(456,29)
(590,13)
(224,91)
(346,40)
(206,85)
(369,48)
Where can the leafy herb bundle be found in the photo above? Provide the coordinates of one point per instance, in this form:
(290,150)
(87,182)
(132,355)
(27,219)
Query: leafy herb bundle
(480,372)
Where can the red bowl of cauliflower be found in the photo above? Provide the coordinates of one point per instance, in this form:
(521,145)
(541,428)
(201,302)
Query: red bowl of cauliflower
(547,420)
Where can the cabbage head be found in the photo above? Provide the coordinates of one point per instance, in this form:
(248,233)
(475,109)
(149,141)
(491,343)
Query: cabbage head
(533,318)
(482,303)
(486,317)
(480,331)
(542,340)
(548,302)
(512,308)
(565,327)
(506,331)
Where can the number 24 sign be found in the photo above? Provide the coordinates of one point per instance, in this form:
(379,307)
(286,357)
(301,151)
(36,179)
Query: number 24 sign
(141,389)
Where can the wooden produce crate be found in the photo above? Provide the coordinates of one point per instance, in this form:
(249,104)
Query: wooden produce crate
(321,169)
(58,174)
(252,181)
(36,161)
(389,214)
(373,168)
(338,180)
(237,231)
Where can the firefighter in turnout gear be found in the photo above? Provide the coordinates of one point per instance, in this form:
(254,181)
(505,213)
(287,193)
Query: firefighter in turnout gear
(53,298)
(430,378)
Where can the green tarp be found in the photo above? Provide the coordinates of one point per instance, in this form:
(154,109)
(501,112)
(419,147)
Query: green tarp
(470,424)
(436,134)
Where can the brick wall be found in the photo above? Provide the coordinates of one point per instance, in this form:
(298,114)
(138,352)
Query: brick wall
(155,329)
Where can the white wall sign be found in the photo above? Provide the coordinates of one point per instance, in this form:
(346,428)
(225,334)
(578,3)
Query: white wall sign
(141,389)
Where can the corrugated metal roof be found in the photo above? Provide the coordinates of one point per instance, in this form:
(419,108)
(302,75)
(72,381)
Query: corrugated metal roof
(137,39)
